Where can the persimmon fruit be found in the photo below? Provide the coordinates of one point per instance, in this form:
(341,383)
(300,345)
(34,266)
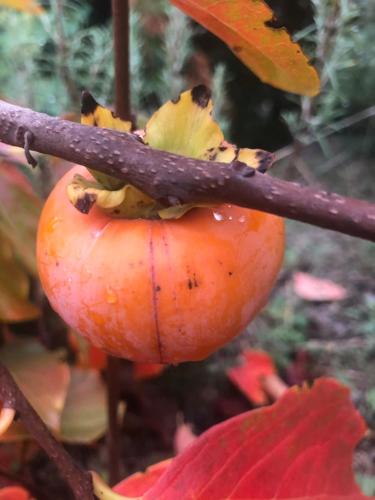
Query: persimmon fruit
(160,291)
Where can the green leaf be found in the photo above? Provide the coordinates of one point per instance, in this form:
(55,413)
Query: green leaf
(14,288)
(41,376)
(84,418)
(19,214)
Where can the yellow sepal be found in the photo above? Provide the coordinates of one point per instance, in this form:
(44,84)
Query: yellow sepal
(127,202)
(185,126)
(95,115)
(255,158)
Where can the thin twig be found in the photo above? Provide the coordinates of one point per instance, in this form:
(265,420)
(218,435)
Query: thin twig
(12,397)
(62,51)
(333,128)
(113,436)
(165,176)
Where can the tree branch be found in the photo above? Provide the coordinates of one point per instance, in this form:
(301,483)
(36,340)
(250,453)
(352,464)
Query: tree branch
(12,397)
(120,16)
(174,179)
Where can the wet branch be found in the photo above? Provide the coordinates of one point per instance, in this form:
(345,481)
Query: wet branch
(173,179)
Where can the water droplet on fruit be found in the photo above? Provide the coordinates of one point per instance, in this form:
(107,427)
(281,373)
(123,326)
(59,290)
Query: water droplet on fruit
(51,226)
(242,218)
(111,297)
(219,217)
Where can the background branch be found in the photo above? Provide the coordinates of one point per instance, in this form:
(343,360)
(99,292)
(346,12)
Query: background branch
(12,397)
(120,16)
(174,179)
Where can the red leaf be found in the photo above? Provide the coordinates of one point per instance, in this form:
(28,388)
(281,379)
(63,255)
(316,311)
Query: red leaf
(316,289)
(147,370)
(14,493)
(137,484)
(249,376)
(300,447)
(246,27)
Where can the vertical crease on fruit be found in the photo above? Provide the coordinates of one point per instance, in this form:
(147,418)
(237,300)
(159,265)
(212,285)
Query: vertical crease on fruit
(154,298)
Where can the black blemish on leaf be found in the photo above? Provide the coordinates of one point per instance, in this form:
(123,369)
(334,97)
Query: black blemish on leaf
(274,23)
(201,95)
(176,100)
(265,160)
(88,103)
(85,203)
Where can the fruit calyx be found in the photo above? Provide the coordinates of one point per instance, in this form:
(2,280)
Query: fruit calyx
(183,126)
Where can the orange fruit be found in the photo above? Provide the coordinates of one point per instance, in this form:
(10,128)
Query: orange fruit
(157,291)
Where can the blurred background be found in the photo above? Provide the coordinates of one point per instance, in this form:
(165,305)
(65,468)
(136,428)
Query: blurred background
(309,328)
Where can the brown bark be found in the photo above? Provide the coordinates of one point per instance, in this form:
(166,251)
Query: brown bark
(173,179)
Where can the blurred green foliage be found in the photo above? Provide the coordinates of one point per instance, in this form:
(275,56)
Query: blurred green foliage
(54,57)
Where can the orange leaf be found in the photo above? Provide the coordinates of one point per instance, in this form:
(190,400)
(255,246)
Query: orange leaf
(301,448)
(147,370)
(248,377)
(30,6)
(268,52)
(316,289)
(14,493)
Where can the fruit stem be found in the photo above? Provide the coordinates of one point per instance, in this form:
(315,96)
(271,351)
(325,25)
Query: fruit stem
(120,16)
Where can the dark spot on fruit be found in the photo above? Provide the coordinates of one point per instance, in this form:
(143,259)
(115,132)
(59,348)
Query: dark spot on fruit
(57,263)
(201,95)
(223,148)
(157,288)
(230,273)
(176,100)
(88,103)
(237,48)
(116,211)
(190,284)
